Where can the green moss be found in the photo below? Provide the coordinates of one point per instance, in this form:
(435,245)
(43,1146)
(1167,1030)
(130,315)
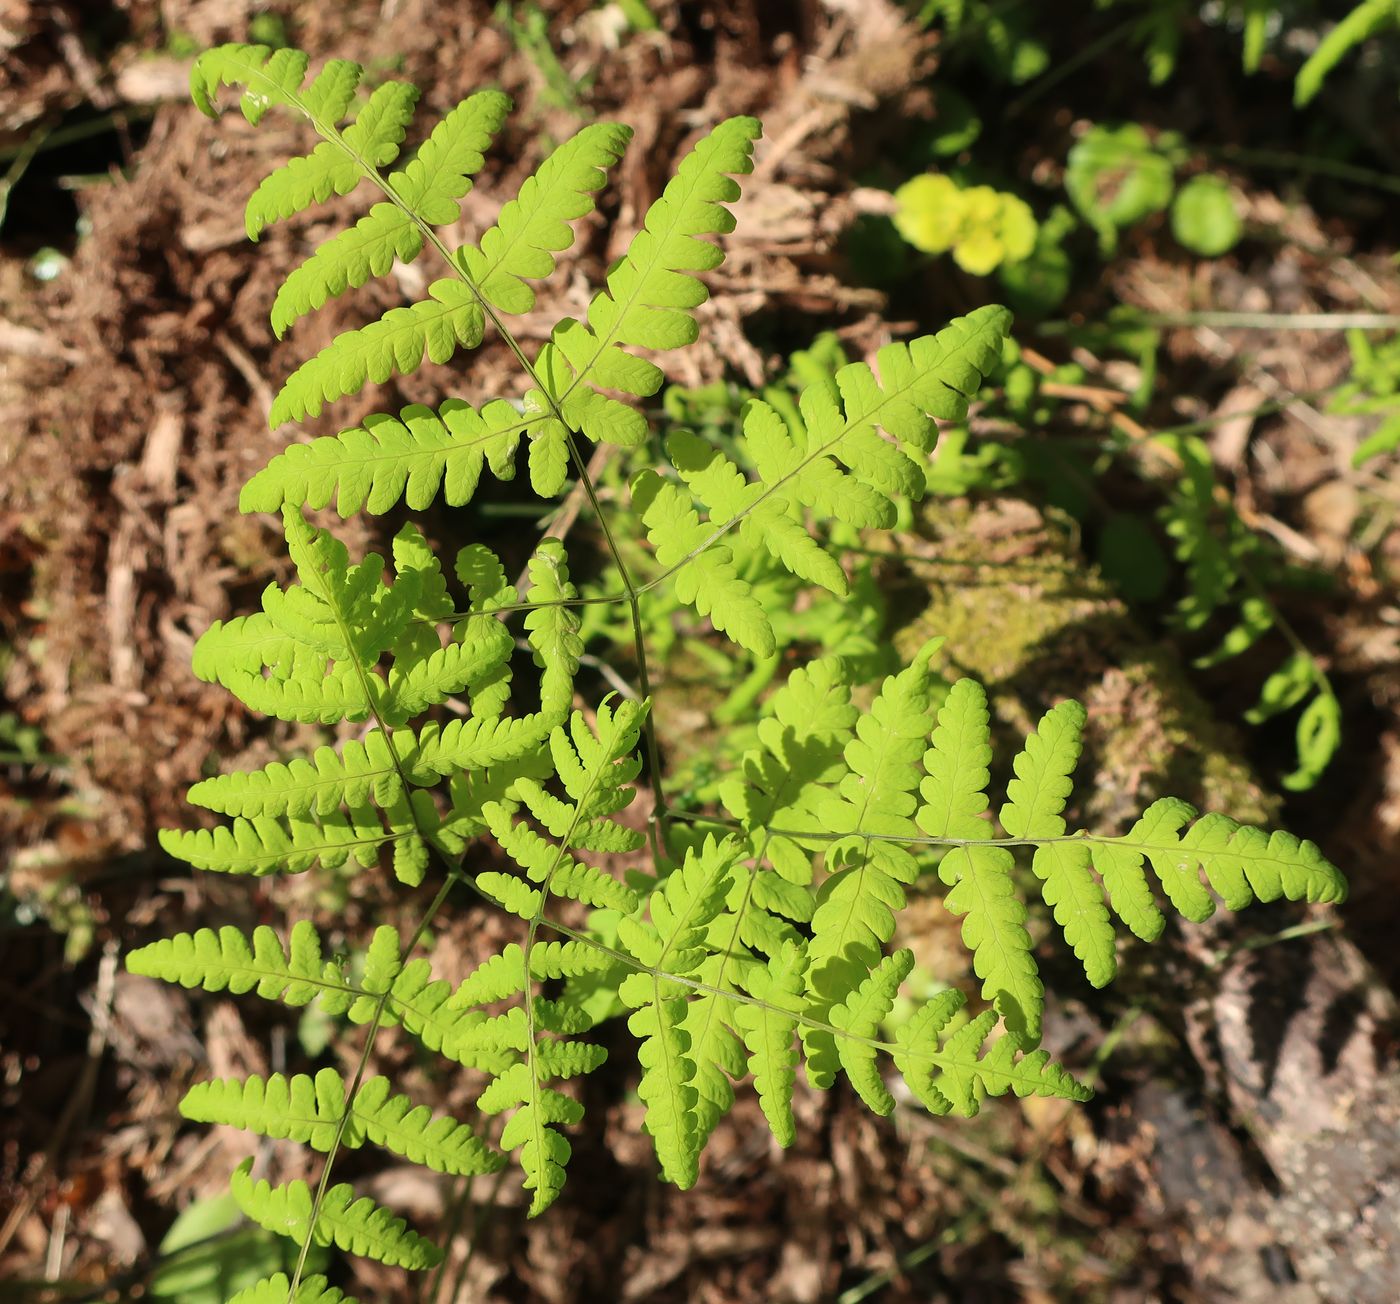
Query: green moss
(1023,612)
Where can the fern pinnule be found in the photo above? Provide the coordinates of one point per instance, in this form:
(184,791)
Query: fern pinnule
(535,225)
(994,918)
(277,1289)
(358,1226)
(408,458)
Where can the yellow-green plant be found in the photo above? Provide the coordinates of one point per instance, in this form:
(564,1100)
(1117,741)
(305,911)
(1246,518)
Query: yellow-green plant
(740,952)
(982,228)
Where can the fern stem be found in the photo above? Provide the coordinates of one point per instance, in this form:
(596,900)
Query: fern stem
(659,813)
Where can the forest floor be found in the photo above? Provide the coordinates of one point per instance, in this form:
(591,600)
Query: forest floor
(136,374)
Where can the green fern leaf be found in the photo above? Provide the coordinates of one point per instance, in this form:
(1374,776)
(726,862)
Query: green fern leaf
(534,226)
(409,457)
(1240,862)
(672,946)
(361,770)
(355,1226)
(276,1289)
(334,166)
(271,77)
(709,580)
(650,293)
(597,770)
(225,961)
(770,522)
(544,1151)
(450,318)
(310,1110)
(855,912)
(263,845)
(429,187)
(994,924)
(770,1035)
(858,1017)
(953,1077)
(552,628)
(1035,798)
(833,463)
(781,782)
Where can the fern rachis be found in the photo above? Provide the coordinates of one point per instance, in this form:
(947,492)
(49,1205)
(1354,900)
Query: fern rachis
(743,954)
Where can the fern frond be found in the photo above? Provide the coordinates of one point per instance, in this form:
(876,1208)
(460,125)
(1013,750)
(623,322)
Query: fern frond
(1035,798)
(545,863)
(533,1130)
(994,923)
(335,166)
(953,1076)
(834,465)
(1240,862)
(263,845)
(410,457)
(276,1289)
(672,946)
(770,1032)
(430,187)
(359,772)
(225,961)
(534,226)
(650,293)
(355,1226)
(448,319)
(781,782)
(299,686)
(310,1110)
(708,579)
(539,1108)
(859,1017)
(597,769)
(855,913)
(552,628)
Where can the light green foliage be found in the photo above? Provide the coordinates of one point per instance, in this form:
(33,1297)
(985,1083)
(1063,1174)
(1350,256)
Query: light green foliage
(1364,21)
(356,1226)
(742,954)
(983,228)
(1117,176)
(1373,389)
(826,461)
(1204,218)
(278,1290)
(1221,559)
(314,1111)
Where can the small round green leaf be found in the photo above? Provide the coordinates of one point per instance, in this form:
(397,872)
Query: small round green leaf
(1204,218)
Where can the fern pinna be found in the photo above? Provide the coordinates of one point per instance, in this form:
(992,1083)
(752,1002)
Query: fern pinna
(752,948)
